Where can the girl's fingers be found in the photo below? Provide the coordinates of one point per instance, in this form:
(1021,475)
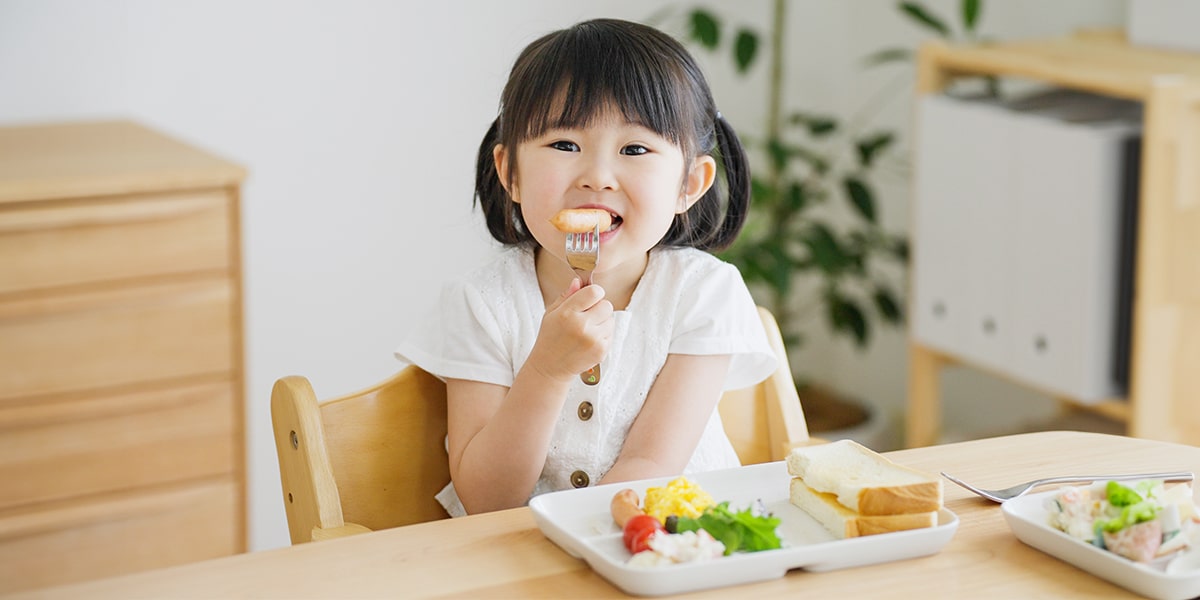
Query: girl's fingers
(567,293)
(582,299)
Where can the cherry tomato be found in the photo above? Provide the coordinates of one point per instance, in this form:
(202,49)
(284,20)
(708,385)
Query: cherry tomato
(638,532)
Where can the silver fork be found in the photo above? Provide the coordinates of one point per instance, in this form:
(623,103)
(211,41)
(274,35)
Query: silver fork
(1017,491)
(583,251)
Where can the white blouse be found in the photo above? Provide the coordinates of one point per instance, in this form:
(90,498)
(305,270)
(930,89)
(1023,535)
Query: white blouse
(687,302)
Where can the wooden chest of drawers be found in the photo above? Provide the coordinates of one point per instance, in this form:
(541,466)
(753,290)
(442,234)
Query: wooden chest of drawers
(121,410)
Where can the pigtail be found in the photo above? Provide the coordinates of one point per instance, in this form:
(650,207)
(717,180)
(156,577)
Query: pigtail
(737,179)
(713,223)
(490,195)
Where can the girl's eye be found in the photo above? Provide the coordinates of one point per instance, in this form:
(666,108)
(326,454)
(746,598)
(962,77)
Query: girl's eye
(635,150)
(565,146)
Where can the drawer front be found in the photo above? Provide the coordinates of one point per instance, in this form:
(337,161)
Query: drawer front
(56,450)
(115,338)
(120,535)
(51,244)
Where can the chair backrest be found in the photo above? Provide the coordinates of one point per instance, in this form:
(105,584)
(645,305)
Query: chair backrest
(364,461)
(765,421)
(374,459)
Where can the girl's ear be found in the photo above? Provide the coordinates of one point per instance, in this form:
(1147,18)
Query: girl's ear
(699,179)
(501,158)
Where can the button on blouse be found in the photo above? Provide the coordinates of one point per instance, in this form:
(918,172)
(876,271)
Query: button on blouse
(580,479)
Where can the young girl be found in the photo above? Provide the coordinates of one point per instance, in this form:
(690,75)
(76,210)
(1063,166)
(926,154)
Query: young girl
(617,116)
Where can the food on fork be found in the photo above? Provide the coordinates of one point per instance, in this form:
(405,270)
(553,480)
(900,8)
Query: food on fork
(581,220)
(854,491)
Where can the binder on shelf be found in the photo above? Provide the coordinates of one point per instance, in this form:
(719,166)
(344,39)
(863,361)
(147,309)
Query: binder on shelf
(1018,243)
(1122,356)
(938,307)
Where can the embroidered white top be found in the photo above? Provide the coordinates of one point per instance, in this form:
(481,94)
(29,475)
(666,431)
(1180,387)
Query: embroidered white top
(688,302)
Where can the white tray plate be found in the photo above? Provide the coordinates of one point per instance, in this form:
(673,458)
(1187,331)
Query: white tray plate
(580,523)
(1027,518)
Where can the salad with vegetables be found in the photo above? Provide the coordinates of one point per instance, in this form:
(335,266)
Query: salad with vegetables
(681,523)
(1141,521)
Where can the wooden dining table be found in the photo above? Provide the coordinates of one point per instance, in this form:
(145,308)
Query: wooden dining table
(504,554)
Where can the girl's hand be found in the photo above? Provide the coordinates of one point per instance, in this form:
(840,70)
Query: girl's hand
(575,333)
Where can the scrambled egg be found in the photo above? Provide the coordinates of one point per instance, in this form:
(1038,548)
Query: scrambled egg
(680,497)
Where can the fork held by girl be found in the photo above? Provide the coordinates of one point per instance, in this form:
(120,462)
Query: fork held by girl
(614,116)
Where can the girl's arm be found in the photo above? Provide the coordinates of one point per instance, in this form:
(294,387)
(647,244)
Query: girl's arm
(499,436)
(677,409)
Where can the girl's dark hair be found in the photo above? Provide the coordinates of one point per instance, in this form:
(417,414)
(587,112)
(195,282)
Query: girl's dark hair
(569,77)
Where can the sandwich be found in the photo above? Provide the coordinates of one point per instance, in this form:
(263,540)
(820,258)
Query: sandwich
(853,491)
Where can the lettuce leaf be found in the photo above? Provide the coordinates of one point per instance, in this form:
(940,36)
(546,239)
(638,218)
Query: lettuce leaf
(741,531)
(1133,507)
(1119,495)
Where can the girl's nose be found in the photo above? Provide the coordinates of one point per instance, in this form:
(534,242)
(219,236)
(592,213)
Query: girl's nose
(597,175)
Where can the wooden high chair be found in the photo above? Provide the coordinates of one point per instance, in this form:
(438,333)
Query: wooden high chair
(374,459)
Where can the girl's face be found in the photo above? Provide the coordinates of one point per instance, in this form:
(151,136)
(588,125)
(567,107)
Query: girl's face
(638,176)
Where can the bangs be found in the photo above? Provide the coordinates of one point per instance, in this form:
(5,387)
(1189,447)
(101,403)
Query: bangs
(571,78)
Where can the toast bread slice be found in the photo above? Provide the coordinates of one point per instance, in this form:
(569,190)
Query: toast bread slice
(845,523)
(864,481)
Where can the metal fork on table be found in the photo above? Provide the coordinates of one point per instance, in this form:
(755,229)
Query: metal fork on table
(1017,491)
(583,251)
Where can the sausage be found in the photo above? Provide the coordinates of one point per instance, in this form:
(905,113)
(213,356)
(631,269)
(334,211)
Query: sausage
(625,506)
(580,220)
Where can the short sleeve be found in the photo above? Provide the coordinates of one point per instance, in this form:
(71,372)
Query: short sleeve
(717,315)
(460,339)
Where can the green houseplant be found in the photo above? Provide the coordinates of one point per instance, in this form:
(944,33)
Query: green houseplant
(814,217)
(814,245)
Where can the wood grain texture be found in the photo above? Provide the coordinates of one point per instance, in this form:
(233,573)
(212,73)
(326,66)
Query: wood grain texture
(503,554)
(121,411)
(94,159)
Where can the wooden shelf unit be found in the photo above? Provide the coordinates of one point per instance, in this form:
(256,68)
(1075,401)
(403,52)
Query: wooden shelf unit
(1165,353)
(121,409)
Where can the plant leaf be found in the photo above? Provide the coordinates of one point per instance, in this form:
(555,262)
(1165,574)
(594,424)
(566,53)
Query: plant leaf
(819,163)
(745,48)
(818,125)
(889,55)
(870,147)
(970,14)
(793,340)
(761,192)
(846,317)
(887,305)
(779,154)
(750,267)
(900,248)
(925,18)
(796,198)
(861,197)
(824,250)
(705,29)
(779,275)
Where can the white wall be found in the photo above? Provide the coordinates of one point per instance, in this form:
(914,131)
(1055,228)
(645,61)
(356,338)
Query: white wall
(358,122)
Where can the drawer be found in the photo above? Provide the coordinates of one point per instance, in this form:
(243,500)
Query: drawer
(115,338)
(61,243)
(57,450)
(120,534)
